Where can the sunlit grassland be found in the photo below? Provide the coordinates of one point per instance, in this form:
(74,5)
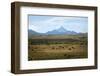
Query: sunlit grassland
(49,47)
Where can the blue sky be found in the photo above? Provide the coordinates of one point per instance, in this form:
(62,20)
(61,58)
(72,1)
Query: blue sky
(44,24)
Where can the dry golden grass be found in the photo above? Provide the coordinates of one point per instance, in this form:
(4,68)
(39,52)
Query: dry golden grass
(57,51)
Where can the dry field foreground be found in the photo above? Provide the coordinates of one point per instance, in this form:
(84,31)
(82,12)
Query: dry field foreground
(47,47)
(58,51)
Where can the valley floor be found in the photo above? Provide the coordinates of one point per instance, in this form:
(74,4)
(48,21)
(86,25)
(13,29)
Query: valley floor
(57,47)
(57,51)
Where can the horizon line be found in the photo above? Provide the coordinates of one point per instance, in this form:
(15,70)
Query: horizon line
(55,29)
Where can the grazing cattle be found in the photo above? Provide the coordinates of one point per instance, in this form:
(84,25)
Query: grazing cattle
(56,48)
(73,48)
(82,43)
(35,47)
(53,48)
(61,47)
(69,48)
(65,54)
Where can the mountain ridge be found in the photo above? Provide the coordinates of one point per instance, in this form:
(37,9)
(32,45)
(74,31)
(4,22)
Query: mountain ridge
(59,31)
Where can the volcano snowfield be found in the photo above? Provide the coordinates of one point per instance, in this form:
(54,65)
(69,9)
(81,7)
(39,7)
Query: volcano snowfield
(51,47)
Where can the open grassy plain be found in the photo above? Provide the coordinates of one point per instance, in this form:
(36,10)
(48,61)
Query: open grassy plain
(50,47)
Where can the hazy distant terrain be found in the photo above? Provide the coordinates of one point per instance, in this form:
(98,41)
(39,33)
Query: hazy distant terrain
(57,44)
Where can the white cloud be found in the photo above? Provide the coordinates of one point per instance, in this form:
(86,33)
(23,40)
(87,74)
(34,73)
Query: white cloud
(70,23)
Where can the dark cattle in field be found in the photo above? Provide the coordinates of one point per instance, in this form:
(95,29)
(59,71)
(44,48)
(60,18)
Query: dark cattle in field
(73,47)
(61,47)
(53,48)
(69,49)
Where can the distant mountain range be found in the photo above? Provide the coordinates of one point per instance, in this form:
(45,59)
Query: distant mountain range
(59,31)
